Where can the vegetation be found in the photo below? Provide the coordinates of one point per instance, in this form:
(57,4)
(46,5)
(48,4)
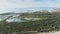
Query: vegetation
(52,23)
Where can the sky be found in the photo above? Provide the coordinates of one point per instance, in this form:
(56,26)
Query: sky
(24,5)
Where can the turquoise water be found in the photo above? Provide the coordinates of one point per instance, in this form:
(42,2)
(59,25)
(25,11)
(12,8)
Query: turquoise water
(15,20)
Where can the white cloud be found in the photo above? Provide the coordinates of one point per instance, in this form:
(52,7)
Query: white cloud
(26,4)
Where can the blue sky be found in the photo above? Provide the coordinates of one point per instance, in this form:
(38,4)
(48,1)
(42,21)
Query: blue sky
(24,5)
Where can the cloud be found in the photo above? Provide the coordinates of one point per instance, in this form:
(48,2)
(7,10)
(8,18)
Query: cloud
(5,4)
(28,3)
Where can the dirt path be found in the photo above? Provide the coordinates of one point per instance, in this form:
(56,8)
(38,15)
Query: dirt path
(57,32)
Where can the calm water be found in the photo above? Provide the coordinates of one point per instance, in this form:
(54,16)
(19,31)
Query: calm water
(15,20)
